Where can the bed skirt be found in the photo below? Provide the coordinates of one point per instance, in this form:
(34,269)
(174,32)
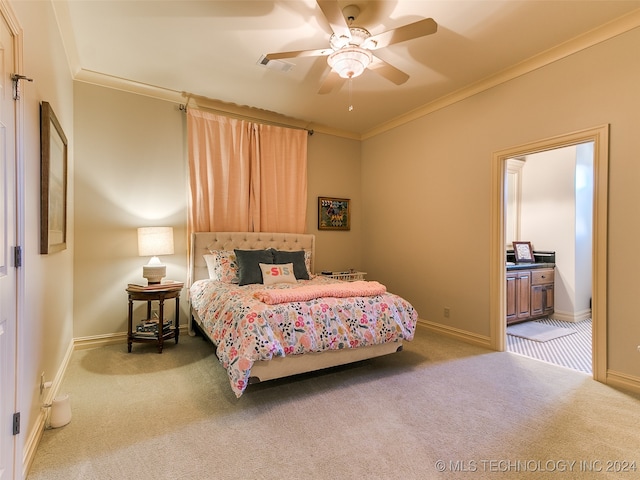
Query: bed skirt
(280,367)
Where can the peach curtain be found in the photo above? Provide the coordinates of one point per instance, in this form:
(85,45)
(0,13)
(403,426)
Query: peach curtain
(245,176)
(219,173)
(279,181)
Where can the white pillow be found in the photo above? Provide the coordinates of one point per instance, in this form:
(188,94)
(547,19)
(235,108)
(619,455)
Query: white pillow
(277,273)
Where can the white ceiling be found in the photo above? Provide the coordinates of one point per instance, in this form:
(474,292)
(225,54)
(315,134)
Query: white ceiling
(211,49)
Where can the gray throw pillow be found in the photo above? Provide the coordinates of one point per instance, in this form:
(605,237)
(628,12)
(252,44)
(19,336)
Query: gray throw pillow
(297,258)
(249,265)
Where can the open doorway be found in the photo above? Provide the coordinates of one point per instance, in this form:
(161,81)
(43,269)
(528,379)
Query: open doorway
(599,137)
(549,203)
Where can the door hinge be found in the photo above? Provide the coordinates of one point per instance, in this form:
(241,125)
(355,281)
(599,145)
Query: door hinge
(17,256)
(16,423)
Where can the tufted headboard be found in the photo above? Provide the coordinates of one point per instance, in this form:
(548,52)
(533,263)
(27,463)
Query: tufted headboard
(203,242)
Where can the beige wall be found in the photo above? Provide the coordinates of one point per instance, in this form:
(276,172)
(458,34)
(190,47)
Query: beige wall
(420,195)
(46,323)
(131,171)
(334,171)
(426,188)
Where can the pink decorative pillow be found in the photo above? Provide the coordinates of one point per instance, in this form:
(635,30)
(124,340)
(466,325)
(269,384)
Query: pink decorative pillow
(277,273)
(222,266)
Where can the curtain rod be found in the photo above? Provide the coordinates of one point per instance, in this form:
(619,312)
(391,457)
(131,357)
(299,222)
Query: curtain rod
(185,106)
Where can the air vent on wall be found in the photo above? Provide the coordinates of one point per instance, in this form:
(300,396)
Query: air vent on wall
(275,64)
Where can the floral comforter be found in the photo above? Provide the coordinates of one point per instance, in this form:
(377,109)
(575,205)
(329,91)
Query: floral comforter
(246,330)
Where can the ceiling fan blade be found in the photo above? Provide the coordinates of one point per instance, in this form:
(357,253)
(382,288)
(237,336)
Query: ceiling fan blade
(299,53)
(417,29)
(388,71)
(331,81)
(333,13)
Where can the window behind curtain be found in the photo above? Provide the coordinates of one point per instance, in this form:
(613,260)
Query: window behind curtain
(245,176)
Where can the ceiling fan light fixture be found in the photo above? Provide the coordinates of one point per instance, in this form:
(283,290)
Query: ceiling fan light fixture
(337,42)
(350,62)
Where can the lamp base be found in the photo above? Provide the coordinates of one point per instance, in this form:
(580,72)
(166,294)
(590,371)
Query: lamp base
(154,273)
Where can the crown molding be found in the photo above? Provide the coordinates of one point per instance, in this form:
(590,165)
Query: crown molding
(252,113)
(188,99)
(598,35)
(65,27)
(118,83)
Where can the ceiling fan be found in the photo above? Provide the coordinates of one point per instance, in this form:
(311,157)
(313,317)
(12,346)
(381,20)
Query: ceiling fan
(350,47)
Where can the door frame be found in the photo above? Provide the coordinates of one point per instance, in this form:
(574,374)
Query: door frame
(9,16)
(497,284)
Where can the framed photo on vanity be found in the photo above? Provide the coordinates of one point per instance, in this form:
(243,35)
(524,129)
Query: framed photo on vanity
(523,252)
(53,182)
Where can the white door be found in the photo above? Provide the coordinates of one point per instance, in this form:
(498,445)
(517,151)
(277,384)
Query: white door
(8,271)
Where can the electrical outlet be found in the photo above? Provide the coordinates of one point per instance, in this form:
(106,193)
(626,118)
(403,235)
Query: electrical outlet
(41,383)
(447,311)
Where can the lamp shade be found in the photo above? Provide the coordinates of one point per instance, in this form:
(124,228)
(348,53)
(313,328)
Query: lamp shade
(153,241)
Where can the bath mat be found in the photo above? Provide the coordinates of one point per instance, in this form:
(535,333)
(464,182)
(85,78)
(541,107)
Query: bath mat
(538,332)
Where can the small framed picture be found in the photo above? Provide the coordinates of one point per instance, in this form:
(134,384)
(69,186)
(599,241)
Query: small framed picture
(333,214)
(523,252)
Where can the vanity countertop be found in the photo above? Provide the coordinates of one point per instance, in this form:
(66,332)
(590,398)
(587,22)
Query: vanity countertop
(543,259)
(528,266)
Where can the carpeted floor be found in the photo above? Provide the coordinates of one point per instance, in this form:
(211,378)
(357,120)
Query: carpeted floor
(571,351)
(439,409)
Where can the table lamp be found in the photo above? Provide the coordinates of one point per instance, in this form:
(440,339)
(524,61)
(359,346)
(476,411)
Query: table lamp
(154,241)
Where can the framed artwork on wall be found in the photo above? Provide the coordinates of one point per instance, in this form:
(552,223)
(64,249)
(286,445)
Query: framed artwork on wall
(333,214)
(523,252)
(53,182)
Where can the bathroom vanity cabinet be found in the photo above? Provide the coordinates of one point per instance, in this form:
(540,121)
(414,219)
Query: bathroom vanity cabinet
(529,293)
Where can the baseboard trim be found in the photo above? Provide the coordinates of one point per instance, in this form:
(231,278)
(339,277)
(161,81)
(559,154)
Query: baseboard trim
(623,381)
(462,335)
(95,341)
(35,435)
(574,317)
(32,442)
(614,379)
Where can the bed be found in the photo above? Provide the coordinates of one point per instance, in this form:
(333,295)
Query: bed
(263,332)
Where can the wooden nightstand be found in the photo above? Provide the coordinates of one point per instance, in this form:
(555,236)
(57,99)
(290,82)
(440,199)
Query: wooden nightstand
(158,293)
